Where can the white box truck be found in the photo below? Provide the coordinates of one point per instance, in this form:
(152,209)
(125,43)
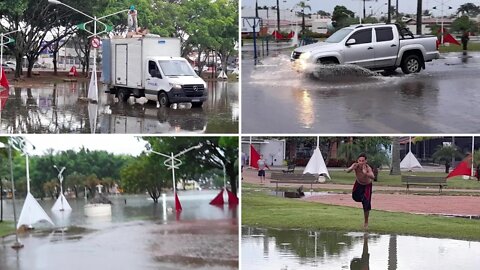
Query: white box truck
(150,67)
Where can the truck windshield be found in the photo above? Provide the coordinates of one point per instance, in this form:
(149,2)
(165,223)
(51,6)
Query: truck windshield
(339,35)
(176,68)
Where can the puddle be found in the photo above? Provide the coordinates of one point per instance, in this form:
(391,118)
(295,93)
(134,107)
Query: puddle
(300,249)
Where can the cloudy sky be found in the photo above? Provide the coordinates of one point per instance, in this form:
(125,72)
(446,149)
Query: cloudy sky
(405,6)
(117,144)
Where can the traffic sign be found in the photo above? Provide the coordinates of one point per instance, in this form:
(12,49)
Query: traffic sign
(95,42)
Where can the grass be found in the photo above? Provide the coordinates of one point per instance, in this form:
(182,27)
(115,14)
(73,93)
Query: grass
(475,47)
(6,228)
(261,210)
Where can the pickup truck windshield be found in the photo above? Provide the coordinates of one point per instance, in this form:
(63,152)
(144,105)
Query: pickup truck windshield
(176,68)
(339,35)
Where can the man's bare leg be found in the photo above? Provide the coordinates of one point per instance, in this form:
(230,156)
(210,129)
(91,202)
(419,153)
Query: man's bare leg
(365,214)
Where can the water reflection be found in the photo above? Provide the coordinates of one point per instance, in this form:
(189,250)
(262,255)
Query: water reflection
(63,108)
(298,249)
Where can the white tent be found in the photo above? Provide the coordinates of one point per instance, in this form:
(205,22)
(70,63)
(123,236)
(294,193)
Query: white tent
(61,204)
(316,164)
(92,116)
(32,213)
(222,75)
(410,162)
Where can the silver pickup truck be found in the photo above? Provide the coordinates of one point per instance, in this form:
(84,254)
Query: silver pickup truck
(374,46)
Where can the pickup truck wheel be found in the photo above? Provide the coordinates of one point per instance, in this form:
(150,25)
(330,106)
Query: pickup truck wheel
(197,104)
(123,94)
(411,64)
(163,100)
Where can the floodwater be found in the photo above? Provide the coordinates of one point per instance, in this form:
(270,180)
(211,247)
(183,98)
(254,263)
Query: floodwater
(297,249)
(347,99)
(138,235)
(62,108)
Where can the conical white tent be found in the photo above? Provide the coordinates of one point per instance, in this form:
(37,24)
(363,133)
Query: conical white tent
(61,204)
(32,213)
(410,162)
(222,75)
(93,87)
(316,164)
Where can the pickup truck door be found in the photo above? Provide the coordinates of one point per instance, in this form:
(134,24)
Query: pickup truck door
(386,47)
(153,80)
(361,53)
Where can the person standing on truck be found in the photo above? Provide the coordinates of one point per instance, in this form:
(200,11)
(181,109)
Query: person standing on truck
(465,39)
(362,189)
(132,19)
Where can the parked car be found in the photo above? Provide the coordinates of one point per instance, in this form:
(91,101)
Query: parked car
(373,46)
(11,64)
(7,68)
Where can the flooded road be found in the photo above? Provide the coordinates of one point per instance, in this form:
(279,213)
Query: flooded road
(298,249)
(442,98)
(62,108)
(139,235)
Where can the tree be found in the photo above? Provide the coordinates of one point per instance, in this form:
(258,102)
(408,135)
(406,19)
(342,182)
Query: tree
(444,154)
(395,169)
(303,5)
(464,24)
(342,17)
(468,9)
(323,13)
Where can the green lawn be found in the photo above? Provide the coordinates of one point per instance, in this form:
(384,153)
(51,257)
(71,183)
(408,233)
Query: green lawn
(6,228)
(475,47)
(261,210)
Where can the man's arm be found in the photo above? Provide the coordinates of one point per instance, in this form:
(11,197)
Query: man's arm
(367,170)
(351,168)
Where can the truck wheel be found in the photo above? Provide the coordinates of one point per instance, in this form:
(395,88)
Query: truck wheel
(411,64)
(123,94)
(163,100)
(197,104)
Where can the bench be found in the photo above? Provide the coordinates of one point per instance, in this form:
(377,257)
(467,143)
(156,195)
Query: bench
(290,169)
(293,178)
(411,180)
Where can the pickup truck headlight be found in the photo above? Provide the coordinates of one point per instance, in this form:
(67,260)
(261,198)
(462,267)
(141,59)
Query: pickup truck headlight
(176,86)
(305,55)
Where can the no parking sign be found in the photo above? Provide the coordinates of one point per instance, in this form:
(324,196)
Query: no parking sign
(95,42)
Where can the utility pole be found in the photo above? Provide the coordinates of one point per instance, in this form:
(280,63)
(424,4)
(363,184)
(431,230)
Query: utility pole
(389,16)
(419,17)
(278,17)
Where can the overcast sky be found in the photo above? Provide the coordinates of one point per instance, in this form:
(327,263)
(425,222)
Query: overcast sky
(405,6)
(117,144)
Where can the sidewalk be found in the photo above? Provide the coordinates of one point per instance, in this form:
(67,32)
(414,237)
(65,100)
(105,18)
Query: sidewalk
(397,202)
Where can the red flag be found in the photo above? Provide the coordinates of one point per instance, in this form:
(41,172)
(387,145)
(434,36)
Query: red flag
(178,206)
(462,169)
(218,200)
(448,38)
(277,35)
(73,71)
(4,80)
(232,198)
(291,35)
(254,157)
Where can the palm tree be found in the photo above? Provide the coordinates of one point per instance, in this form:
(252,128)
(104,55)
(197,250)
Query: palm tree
(469,9)
(303,6)
(444,154)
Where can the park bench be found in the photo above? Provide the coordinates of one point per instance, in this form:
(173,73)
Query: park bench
(293,178)
(411,180)
(290,169)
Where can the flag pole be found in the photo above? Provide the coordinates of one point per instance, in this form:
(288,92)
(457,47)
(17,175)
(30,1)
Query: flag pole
(250,155)
(473,148)
(410,144)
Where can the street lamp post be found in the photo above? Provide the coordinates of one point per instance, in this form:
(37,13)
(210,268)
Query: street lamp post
(60,178)
(93,87)
(173,162)
(2,43)
(442,7)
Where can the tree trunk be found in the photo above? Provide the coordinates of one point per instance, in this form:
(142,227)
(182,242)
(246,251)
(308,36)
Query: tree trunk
(395,170)
(55,55)
(232,175)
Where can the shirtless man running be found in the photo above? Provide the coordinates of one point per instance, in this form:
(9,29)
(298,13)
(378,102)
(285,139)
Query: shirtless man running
(362,189)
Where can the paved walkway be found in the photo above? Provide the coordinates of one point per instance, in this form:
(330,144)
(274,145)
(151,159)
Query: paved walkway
(398,201)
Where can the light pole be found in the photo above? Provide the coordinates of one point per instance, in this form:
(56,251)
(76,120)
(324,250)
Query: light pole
(93,87)
(442,7)
(10,40)
(60,178)
(16,244)
(173,162)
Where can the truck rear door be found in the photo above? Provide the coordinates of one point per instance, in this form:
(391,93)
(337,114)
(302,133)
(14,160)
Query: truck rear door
(121,51)
(361,52)
(386,46)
